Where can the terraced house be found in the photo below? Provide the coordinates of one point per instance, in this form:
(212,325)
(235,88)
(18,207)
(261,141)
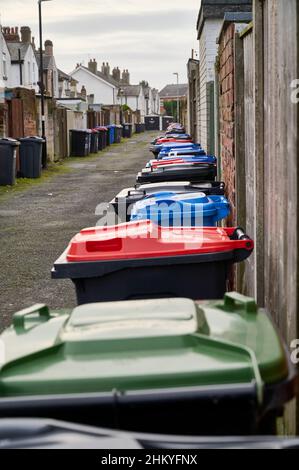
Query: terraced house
(21,68)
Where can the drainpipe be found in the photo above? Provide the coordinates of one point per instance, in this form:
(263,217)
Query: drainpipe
(20,65)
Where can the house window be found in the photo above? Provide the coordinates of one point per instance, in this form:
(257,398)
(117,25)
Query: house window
(4,66)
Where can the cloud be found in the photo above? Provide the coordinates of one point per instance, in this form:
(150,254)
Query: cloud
(153,39)
(154,22)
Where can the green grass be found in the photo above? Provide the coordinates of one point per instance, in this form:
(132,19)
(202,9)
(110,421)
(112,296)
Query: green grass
(54,169)
(26,183)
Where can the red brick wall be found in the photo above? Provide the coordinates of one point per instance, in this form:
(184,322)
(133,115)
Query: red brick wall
(227,115)
(29,110)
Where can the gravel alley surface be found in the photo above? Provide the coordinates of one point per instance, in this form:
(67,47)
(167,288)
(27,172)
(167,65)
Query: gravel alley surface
(37,224)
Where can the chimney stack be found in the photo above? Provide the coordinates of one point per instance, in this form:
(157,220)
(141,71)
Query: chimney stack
(11,34)
(116,74)
(49,48)
(26,34)
(93,66)
(126,77)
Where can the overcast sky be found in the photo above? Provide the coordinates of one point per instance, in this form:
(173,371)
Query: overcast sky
(152,38)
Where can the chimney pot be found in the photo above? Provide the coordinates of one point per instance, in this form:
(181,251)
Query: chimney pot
(48,48)
(93,66)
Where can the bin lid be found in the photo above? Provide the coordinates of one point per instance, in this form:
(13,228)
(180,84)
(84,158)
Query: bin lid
(184,204)
(189,145)
(9,141)
(81,131)
(172,146)
(177,135)
(177,166)
(165,140)
(131,195)
(144,239)
(141,345)
(174,152)
(177,186)
(182,160)
(33,138)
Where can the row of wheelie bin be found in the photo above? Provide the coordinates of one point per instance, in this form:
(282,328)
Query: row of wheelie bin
(82,143)
(30,159)
(129,128)
(86,141)
(156,344)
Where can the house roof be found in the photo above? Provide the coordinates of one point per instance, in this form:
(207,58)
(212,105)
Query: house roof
(104,77)
(15,47)
(131,90)
(215,9)
(46,60)
(64,76)
(170,91)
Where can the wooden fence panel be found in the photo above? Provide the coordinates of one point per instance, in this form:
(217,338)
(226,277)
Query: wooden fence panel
(271,121)
(249,130)
(281,167)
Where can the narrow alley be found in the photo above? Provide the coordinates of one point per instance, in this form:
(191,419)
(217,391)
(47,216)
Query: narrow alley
(149,216)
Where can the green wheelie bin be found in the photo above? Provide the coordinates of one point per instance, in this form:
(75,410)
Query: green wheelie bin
(168,366)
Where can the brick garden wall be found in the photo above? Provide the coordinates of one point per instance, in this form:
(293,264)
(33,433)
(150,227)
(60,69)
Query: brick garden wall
(227,115)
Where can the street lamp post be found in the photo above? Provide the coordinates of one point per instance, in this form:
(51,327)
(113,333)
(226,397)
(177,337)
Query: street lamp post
(41,85)
(178,96)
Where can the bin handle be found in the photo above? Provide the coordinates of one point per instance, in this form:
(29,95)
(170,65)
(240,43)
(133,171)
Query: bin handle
(239,234)
(137,192)
(19,318)
(232,300)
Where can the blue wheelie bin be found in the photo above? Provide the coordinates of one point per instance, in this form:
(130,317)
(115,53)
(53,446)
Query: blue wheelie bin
(180,152)
(192,159)
(111,134)
(173,146)
(170,209)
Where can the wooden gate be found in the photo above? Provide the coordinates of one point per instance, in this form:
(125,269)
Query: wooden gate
(16,122)
(61,150)
(15,118)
